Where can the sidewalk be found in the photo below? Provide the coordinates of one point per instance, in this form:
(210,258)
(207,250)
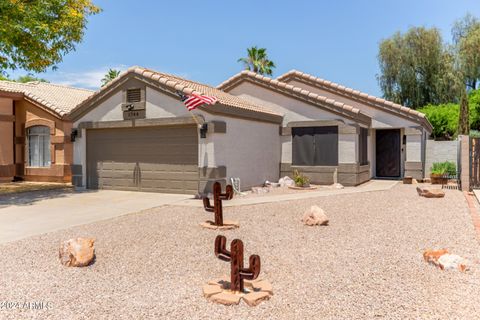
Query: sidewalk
(373,185)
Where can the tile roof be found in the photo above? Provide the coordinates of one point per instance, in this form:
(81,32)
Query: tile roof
(325,103)
(175,83)
(356,95)
(56,98)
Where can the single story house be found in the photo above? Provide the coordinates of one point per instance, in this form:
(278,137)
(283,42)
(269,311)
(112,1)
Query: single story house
(136,134)
(329,130)
(34,134)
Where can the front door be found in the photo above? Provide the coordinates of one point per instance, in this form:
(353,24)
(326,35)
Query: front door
(388,153)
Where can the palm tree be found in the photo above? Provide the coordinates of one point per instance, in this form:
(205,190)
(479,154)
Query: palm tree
(257,61)
(109,76)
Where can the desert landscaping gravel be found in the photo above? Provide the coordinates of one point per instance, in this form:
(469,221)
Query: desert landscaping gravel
(152,265)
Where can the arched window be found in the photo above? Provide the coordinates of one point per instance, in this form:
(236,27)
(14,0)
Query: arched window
(38,146)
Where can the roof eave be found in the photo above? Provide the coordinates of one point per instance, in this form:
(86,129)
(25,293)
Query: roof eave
(258,80)
(171,89)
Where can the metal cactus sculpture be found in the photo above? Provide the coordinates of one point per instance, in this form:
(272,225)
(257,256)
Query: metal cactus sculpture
(235,257)
(218,196)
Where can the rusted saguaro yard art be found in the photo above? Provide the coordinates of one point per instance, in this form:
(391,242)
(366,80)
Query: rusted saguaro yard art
(217,208)
(243,284)
(235,256)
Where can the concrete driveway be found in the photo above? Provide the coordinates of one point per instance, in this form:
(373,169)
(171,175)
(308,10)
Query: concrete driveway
(27,214)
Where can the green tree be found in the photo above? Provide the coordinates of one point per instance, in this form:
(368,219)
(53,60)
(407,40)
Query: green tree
(257,61)
(35,35)
(29,78)
(466,38)
(416,68)
(463,120)
(110,75)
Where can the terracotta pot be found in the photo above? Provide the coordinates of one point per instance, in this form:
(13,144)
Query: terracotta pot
(437,178)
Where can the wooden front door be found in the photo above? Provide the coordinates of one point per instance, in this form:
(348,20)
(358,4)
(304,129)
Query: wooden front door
(388,153)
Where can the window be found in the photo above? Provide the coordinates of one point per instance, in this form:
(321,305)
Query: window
(363,146)
(315,146)
(38,146)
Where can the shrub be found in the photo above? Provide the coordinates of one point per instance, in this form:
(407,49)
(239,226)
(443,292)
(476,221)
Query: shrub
(444,117)
(300,180)
(447,167)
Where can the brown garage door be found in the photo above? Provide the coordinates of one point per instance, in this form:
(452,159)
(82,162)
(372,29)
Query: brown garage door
(156,159)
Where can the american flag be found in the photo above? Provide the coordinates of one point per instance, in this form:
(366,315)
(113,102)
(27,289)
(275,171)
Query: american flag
(194,100)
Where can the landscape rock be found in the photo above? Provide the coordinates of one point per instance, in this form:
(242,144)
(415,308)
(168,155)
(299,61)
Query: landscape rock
(227,225)
(446,261)
(286,182)
(260,190)
(254,298)
(77,252)
(407,180)
(432,256)
(453,262)
(431,193)
(315,216)
(226,298)
(337,186)
(211,289)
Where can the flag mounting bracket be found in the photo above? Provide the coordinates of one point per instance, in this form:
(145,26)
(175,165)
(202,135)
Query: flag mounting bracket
(203,130)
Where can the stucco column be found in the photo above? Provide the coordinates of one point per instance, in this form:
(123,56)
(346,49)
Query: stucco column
(465,161)
(413,160)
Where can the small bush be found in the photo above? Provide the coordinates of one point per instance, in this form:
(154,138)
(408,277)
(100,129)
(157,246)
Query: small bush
(447,167)
(300,180)
(444,117)
(474,134)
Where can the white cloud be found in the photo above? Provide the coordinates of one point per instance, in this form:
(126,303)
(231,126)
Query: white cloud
(89,79)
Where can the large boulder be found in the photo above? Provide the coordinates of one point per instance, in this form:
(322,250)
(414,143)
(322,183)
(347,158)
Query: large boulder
(315,216)
(431,193)
(77,252)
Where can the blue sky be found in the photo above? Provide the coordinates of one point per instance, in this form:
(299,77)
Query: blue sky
(202,40)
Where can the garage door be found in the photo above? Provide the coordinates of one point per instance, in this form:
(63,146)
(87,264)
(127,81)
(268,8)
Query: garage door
(156,159)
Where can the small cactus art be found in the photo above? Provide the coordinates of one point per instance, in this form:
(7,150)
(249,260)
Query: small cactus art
(235,257)
(218,196)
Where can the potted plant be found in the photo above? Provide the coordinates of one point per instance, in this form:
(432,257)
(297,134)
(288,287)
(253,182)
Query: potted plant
(300,180)
(440,170)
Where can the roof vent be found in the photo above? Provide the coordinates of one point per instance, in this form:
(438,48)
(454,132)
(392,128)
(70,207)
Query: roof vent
(134,95)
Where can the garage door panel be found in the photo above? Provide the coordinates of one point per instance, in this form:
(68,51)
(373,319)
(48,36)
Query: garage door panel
(169,167)
(149,175)
(116,166)
(109,182)
(157,159)
(116,174)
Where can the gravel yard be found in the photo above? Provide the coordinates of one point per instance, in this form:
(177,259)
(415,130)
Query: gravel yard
(366,264)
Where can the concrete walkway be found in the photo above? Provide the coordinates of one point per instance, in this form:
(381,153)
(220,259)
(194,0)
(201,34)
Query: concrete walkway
(373,185)
(27,214)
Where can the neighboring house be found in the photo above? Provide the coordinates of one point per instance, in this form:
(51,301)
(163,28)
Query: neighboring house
(136,134)
(329,128)
(34,135)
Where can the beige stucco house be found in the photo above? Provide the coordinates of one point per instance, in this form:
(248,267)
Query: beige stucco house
(136,134)
(34,134)
(328,128)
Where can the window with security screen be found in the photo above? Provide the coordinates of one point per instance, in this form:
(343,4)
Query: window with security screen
(315,146)
(363,146)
